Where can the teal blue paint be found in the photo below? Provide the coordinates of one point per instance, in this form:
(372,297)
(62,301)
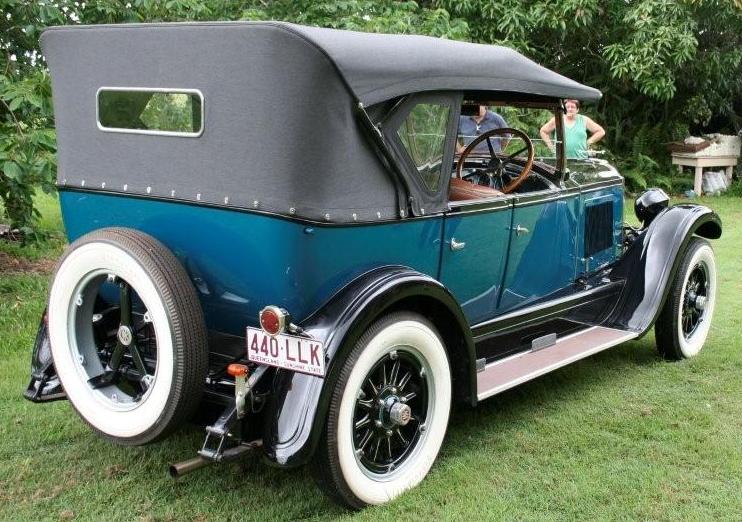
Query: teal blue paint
(543,260)
(242,261)
(474,274)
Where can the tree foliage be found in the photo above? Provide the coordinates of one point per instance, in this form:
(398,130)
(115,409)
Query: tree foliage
(666,67)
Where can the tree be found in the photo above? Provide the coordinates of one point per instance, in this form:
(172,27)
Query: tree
(666,67)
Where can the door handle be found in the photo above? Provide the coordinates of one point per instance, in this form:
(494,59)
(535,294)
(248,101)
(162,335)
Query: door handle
(457,245)
(520,231)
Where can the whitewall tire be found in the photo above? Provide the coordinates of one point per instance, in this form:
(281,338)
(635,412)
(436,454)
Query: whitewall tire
(388,413)
(127,335)
(685,320)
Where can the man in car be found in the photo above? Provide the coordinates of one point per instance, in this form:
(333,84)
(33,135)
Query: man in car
(471,126)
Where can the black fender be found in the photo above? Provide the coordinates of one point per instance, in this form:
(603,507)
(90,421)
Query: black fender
(296,412)
(44,385)
(651,263)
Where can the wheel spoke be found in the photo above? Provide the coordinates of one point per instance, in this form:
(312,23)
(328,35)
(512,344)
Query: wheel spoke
(365,404)
(394,373)
(401,437)
(104,379)
(116,356)
(403,382)
(383,374)
(363,421)
(409,396)
(389,447)
(515,154)
(491,147)
(125,303)
(137,357)
(374,388)
(365,440)
(376,451)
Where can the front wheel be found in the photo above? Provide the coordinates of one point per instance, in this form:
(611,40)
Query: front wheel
(388,413)
(684,321)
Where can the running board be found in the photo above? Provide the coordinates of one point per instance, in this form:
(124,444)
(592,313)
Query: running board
(519,368)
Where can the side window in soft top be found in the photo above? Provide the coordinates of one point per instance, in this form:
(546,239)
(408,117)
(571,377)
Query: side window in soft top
(423,134)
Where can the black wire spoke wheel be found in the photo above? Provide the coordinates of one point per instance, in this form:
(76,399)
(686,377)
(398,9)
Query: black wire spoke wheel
(685,319)
(390,411)
(694,300)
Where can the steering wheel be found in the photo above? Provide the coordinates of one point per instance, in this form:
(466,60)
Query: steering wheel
(496,166)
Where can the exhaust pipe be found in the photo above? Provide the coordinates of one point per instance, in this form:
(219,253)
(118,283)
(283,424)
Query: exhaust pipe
(181,468)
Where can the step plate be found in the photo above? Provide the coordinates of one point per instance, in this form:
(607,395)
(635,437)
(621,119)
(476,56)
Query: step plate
(512,371)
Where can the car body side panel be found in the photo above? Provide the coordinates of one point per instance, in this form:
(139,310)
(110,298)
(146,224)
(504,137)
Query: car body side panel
(651,263)
(474,273)
(240,261)
(543,259)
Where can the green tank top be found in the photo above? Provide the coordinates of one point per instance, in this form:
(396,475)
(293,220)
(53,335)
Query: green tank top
(575,139)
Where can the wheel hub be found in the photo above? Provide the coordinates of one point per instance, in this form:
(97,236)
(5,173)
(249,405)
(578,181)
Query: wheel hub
(125,335)
(400,414)
(390,412)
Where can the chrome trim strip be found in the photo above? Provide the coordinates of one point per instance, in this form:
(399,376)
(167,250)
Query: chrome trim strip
(517,366)
(480,205)
(600,185)
(540,197)
(541,306)
(174,90)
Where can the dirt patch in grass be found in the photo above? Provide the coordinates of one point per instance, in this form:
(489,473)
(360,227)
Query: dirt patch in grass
(13,264)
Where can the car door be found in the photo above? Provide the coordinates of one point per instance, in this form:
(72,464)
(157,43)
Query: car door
(475,245)
(542,258)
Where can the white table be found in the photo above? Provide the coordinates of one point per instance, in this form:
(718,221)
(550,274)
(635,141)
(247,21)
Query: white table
(683,159)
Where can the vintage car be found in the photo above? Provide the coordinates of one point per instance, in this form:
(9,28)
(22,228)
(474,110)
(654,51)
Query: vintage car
(275,232)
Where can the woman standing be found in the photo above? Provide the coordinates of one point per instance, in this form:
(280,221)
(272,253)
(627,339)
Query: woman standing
(576,127)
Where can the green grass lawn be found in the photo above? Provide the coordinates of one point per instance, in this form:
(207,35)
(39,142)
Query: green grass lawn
(621,435)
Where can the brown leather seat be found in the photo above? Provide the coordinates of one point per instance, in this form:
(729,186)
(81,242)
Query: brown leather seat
(461,190)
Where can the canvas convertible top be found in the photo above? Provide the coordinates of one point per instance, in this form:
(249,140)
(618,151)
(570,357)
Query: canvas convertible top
(379,67)
(280,132)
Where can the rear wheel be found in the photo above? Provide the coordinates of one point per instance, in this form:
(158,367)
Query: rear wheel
(684,322)
(388,413)
(127,335)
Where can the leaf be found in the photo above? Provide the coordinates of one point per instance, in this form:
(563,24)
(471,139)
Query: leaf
(15,104)
(12,170)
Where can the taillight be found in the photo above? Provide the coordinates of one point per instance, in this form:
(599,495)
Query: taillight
(273,320)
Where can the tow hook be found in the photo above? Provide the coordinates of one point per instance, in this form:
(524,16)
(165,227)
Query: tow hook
(223,442)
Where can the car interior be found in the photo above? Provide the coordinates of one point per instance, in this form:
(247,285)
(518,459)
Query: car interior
(499,151)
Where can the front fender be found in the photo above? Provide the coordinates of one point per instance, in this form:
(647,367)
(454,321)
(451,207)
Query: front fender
(296,414)
(650,264)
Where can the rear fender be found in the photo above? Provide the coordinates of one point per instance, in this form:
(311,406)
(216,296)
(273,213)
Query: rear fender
(44,385)
(650,264)
(299,402)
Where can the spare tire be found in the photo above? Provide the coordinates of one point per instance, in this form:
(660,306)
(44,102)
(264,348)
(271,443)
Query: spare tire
(127,335)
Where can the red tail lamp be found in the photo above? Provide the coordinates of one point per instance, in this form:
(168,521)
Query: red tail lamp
(273,320)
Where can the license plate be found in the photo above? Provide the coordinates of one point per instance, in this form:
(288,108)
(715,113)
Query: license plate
(291,352)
